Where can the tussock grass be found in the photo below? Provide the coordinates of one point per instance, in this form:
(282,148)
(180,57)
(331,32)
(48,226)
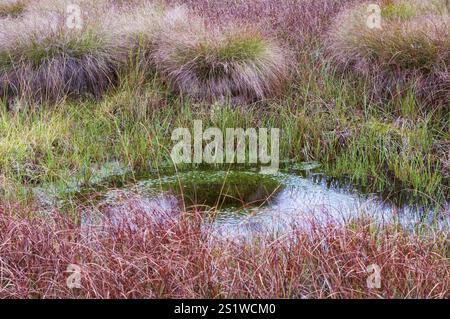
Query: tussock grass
(412,50)
(236,64)
(135,29)
(12,8)
(41,59)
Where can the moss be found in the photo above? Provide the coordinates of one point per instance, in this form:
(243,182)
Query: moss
(223,189)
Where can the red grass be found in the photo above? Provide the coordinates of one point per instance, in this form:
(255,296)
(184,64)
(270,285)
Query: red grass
(297,21)
(177,258)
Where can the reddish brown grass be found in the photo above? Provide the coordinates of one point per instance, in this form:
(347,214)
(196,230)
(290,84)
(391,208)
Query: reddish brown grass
(297,21)
(178,258)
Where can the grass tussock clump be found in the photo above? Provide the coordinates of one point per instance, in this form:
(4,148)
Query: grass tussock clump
(241,65)
(43,58)
(12,8)
(411,50)
(145,257)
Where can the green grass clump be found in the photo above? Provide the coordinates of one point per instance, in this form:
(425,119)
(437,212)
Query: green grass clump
(410,50)
(240,65)
(11,8)
(44,60)
(239,49)
(38,51)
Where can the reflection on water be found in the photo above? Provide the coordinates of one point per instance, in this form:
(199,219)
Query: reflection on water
(248,202)
(303,199)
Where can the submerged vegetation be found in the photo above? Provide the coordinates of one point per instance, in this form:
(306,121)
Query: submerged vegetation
(368,104)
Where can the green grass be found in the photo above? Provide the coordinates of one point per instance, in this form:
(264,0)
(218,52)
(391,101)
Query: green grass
(409,54)
(328,120)
(67,152)
(212,60)
(36,52)
(408,9)
(237,48)
(402,10)
(324,116)
(222,63)
(408,40)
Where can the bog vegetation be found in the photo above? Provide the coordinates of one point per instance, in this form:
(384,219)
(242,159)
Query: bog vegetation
(368,103)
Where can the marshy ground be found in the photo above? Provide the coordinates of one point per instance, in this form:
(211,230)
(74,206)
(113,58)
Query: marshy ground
(366,105)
